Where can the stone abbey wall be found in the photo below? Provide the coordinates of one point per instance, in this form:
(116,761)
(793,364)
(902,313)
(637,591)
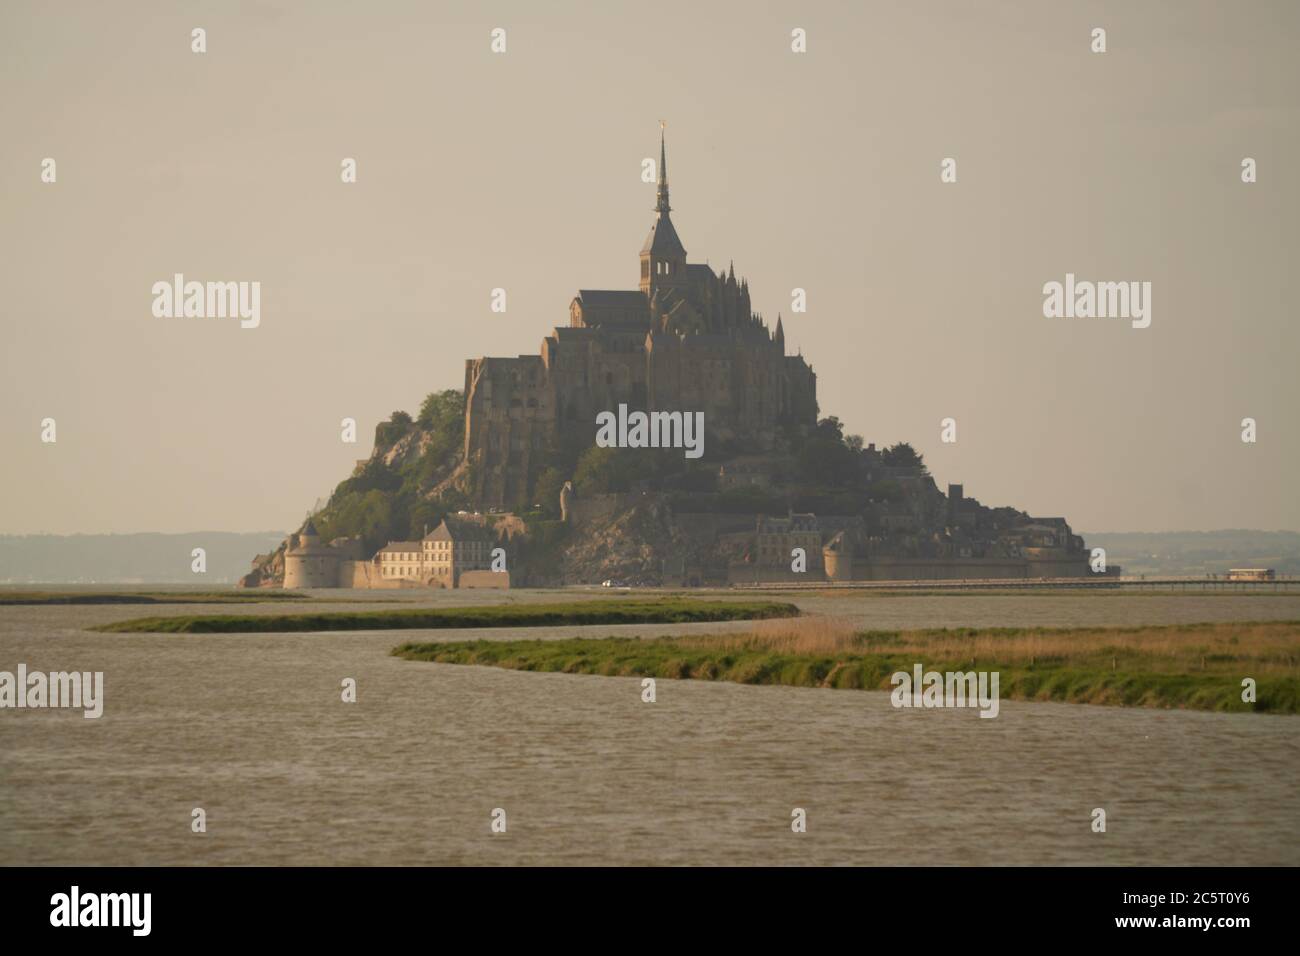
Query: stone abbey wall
(510,417)
(931,569)
(485,579)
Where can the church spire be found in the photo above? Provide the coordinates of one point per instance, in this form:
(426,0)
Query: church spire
(663,257)
(662,206)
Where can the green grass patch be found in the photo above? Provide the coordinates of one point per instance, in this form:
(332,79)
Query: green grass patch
(667,611)
(1114,677)
(975,590)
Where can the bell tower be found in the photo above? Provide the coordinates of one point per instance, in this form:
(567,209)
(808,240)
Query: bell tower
(663,258)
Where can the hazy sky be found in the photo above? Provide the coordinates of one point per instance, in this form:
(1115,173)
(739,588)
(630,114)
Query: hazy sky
(522,170)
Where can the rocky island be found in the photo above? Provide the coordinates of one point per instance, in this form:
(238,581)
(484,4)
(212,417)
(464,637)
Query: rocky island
(504,481)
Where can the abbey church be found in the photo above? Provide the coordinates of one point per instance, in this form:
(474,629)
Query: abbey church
(685,340)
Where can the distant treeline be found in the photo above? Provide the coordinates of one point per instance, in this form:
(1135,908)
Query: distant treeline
(147,558)
(1198,552)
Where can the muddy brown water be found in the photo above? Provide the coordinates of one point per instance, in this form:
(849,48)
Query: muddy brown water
(252,729)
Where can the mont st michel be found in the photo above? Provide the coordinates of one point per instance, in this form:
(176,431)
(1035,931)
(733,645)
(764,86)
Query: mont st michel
(557,468)
(759,505)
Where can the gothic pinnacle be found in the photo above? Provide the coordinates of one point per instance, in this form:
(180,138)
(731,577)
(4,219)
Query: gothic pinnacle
(661,206)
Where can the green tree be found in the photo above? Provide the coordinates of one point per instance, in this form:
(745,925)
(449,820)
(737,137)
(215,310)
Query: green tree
(826,461)
(426,514)
(374,475)
(443,411)
(902,455)
(602,470)
(831,429)
(886,490)
(547,491)
(387,433)
(443,416)
(373,515)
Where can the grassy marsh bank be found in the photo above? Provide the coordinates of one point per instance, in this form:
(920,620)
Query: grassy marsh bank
(662,611)
(1199,666)
(1117,591)
(147,597)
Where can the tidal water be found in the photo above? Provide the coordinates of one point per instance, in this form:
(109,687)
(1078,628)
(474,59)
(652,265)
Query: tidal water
(252,729)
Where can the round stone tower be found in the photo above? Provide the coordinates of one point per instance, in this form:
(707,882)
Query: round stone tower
(837,557)
(308,563)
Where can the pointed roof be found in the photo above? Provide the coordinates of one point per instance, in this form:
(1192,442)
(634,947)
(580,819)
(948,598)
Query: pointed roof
(661,205)
(612,298)
(310,528)
(457,528)
(394,547)
(663,241)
